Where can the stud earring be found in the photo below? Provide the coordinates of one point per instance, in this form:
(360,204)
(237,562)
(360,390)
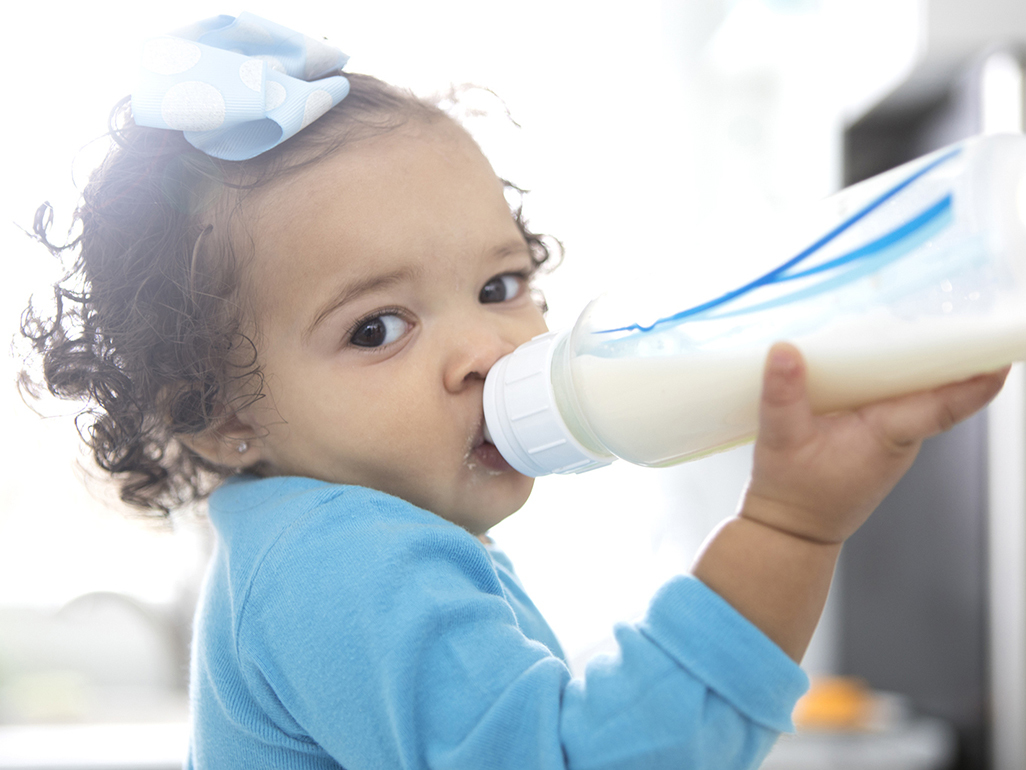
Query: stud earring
(242,447)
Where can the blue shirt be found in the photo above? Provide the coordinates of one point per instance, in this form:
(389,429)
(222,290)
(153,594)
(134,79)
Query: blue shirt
(340,626)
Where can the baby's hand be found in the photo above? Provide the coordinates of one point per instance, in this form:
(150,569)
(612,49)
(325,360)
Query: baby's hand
(820,476)
(815,480)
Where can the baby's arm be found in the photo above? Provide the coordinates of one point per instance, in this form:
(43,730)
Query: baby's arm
(815,480)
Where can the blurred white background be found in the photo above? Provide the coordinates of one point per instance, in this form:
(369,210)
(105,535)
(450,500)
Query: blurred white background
(649,133)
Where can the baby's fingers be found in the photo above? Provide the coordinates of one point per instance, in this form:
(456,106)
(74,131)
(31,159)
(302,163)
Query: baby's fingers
(785,417)
(909,419)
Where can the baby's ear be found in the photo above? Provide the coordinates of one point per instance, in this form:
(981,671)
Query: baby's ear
(209,429)
(233,444)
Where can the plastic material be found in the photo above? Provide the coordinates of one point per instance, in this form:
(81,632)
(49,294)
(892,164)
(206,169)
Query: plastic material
(906,281)
(522,418)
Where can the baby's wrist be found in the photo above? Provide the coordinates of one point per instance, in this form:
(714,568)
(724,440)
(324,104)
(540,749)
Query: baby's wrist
(791,520)
(777,580)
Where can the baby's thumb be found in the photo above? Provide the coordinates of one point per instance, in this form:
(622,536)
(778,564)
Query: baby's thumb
(785,417)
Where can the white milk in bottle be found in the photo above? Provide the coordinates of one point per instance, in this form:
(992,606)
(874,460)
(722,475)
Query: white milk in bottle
(906,281)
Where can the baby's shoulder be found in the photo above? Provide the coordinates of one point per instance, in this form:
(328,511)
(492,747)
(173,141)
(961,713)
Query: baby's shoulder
(278,528)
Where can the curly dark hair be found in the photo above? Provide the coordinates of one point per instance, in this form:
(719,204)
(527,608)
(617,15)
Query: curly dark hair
(147,326)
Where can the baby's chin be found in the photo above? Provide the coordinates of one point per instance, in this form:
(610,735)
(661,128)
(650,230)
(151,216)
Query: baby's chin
(483,505)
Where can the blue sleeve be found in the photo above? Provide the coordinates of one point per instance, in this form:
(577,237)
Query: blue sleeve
(386,639)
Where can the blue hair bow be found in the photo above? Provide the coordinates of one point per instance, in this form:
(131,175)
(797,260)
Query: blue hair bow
(237,86)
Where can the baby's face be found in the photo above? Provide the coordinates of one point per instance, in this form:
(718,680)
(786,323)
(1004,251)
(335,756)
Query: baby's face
(386,281)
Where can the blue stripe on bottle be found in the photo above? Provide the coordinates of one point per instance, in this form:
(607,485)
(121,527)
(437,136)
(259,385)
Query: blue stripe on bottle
(906,237)
(865,260)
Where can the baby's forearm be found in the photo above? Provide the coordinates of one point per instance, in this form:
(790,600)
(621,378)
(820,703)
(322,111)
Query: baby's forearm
(777,580)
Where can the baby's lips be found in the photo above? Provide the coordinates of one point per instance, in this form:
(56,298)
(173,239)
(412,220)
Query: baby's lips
(490,457)
(485,452)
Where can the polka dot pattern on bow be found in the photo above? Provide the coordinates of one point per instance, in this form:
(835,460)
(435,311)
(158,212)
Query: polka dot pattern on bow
(238,86)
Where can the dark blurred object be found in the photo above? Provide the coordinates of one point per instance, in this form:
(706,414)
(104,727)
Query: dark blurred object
(923,590)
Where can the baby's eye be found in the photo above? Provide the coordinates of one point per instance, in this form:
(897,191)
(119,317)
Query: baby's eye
(502,288)
(378,331)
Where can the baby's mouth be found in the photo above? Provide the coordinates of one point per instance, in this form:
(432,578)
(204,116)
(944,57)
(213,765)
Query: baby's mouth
(485,454)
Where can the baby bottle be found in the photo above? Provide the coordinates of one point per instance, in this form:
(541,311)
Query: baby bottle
(906,281)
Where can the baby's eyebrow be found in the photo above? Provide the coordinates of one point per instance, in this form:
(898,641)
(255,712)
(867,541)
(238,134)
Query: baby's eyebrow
(353,290)
(511,249)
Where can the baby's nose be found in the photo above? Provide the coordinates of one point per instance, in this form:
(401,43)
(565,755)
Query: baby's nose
(473,354)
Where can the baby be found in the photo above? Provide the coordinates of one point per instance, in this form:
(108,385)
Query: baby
(298,323)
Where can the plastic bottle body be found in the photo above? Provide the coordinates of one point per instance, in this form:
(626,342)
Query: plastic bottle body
(906,281)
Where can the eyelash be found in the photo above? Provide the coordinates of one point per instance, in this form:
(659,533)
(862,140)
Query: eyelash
(523,275)
(364,320)
(526,275)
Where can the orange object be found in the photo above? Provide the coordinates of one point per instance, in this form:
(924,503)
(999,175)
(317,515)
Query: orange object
(834,703)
